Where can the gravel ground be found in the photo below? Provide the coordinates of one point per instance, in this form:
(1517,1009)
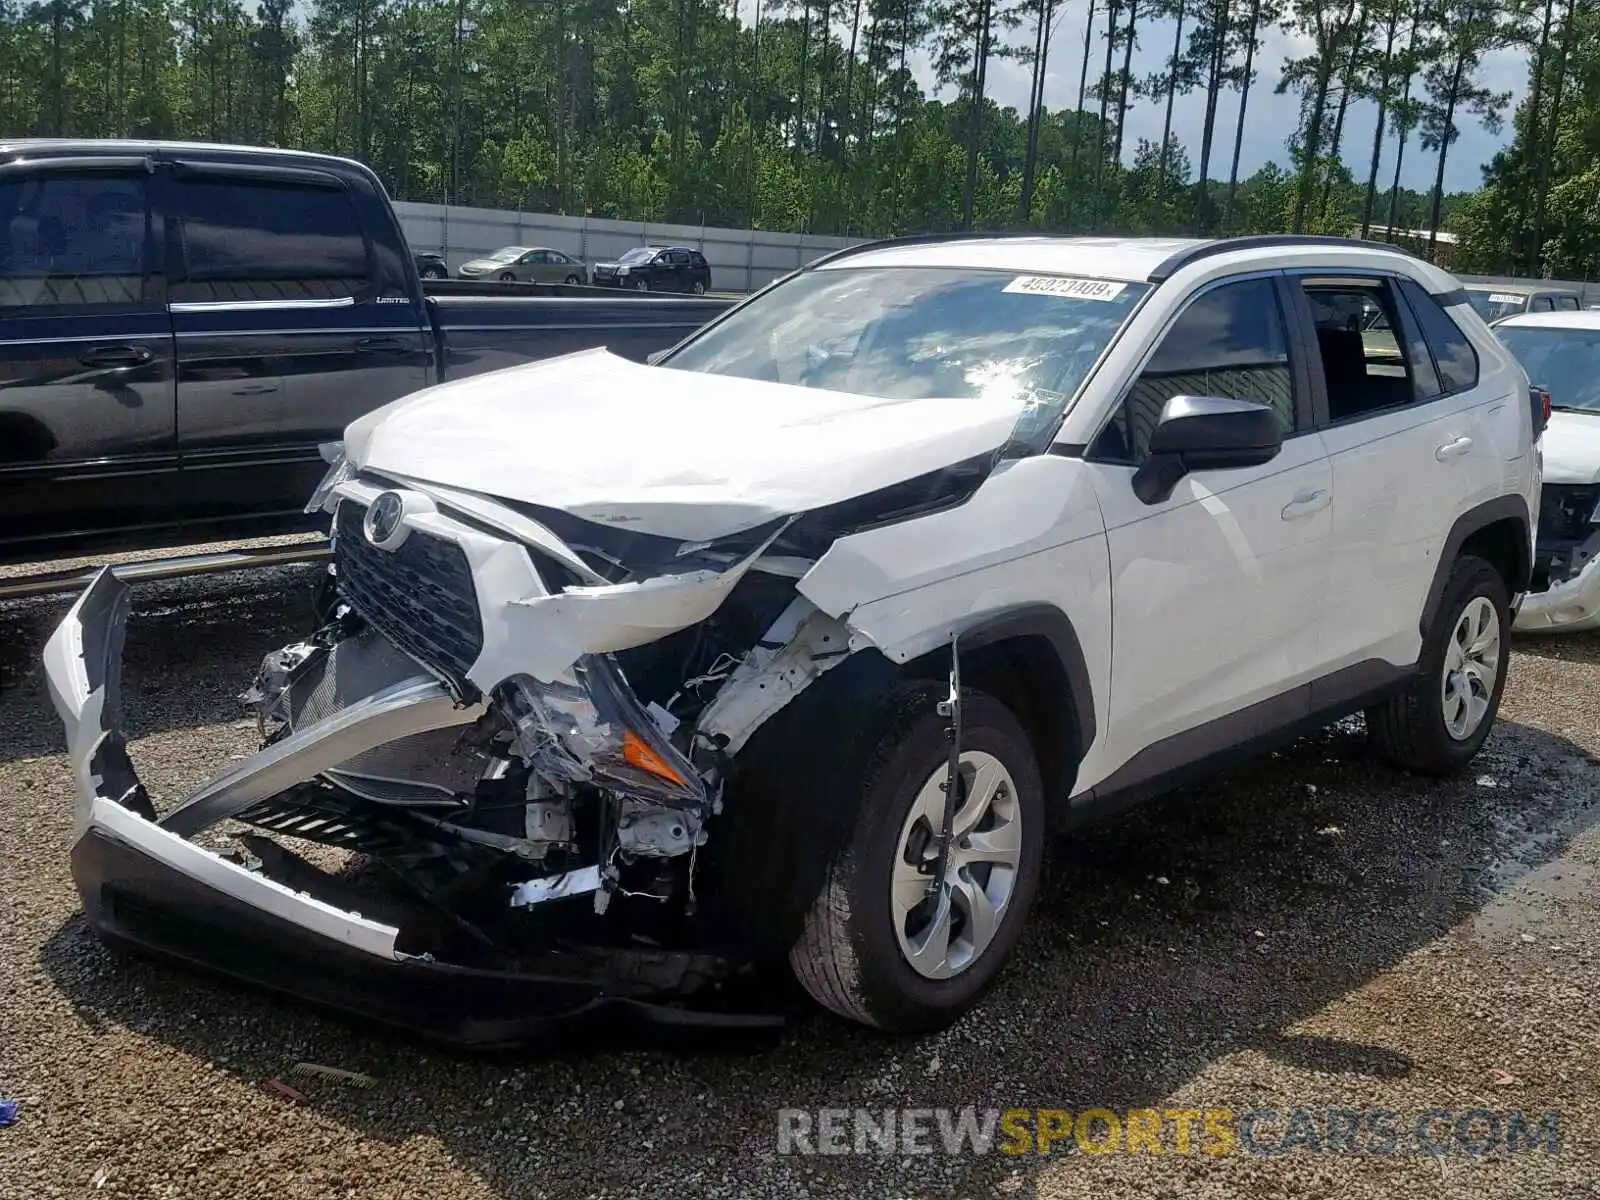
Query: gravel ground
(1310,932)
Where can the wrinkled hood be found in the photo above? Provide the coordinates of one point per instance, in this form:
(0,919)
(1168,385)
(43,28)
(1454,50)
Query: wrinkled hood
(1572,448)
(667,452)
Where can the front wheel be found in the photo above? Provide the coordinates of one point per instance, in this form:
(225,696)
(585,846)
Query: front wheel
(507,277)
(879,946)
(1440,721)
(641,285)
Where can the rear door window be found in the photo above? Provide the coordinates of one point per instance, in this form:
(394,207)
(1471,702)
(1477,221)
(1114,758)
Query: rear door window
(1373,359)
(72,240)
(247,239)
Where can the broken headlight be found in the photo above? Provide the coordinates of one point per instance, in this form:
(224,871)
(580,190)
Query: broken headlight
(339,470)
(587,727)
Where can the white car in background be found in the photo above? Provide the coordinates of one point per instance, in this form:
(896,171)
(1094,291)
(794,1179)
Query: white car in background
(1561,353)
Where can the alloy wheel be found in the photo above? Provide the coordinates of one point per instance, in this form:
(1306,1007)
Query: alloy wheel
(941,935)
(1471,667)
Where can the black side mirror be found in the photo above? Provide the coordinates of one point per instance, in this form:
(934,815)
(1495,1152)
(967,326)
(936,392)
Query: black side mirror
(1205,433)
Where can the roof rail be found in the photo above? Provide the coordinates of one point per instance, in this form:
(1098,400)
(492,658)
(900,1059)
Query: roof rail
(920,239)
(1166,269)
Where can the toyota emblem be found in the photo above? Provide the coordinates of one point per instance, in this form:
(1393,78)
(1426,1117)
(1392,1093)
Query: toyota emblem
(383,523)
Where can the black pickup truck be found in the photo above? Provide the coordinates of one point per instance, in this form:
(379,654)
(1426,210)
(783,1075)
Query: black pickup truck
(182,325)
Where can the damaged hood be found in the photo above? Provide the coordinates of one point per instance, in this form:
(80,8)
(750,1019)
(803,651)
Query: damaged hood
(1572,448)
(667,452)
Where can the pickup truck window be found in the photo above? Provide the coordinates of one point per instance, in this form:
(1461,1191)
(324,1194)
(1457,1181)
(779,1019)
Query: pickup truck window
(258,239)
(71,241)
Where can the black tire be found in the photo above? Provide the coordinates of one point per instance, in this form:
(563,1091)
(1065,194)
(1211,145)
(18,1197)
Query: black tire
(572,280)
(848,957)
(507,277)
(433,273)
(1409,728)
(641,285)
(698,287)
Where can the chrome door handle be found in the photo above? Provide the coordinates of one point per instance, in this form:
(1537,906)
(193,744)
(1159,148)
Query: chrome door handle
(1453,449)
(1305,503)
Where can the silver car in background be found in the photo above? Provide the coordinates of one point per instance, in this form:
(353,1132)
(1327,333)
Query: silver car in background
(526,264)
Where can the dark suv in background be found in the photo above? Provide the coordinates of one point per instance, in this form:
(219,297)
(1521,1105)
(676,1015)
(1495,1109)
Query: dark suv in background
(657,269)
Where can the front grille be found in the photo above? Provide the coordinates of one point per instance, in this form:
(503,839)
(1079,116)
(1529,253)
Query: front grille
(419,595)
(1564,512)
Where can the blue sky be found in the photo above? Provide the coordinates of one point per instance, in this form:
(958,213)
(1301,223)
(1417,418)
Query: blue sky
(1271,118)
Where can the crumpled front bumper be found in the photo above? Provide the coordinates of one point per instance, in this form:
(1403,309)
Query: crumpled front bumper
(145,885)
(1567,607)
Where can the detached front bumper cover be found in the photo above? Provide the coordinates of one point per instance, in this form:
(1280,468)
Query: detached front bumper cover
(1569,606)
(145,885)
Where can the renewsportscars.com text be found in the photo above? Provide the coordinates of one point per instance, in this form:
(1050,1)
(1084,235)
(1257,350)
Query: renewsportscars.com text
(1212,1131)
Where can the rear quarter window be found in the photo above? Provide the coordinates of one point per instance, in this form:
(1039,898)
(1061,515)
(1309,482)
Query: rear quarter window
(1453,356)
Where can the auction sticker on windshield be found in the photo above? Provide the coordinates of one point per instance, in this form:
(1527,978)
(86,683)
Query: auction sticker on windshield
(1503,298)
(1072,289)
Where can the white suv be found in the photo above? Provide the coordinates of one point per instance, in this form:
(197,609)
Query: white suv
(792,644)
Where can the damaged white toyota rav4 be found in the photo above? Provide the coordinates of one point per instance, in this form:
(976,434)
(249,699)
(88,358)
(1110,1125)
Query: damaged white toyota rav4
(795,643)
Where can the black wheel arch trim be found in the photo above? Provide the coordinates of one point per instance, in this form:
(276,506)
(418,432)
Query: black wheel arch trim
(1054,626)
(1475,520)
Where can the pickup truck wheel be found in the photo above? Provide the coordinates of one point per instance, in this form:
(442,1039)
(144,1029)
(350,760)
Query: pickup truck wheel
(1437,724)
(876,947)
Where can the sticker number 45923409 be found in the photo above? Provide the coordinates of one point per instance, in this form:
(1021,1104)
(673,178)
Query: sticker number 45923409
(1066,288)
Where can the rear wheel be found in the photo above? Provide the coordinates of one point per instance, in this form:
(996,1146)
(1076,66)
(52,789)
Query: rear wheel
(572,279)
(698,287)
(879,946)
(1437,725)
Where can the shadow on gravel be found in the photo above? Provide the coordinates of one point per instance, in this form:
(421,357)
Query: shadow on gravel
(198,631)
(1560,647)
(1197,927)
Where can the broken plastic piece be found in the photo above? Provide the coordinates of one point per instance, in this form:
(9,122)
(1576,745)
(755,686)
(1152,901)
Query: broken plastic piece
(636,753)
(309,1070)
(8,1113)
(283,1089)
(556,887)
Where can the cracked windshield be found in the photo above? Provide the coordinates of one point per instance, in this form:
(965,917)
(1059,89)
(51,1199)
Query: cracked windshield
(911,333)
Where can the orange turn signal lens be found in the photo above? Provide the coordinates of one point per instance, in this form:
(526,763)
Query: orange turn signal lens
(637,753)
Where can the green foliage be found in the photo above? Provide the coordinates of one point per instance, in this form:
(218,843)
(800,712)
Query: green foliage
(813,119)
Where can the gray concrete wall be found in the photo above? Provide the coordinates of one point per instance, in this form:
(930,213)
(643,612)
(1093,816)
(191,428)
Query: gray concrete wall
(741,259)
